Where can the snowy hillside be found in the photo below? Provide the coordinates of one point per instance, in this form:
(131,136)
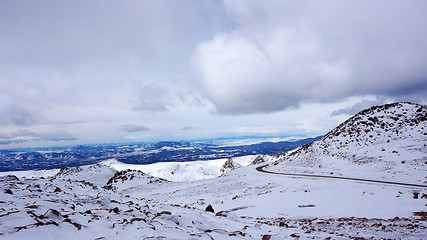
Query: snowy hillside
(385,142)
(97,173)
(185,171)
(247,205)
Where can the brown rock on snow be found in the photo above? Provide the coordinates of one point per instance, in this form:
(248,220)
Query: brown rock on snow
(295,235)
(221,214)
(8,191)
(163,213)
(209,208)
(266,237)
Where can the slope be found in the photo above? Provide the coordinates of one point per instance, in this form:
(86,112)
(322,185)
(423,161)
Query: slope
(385,142)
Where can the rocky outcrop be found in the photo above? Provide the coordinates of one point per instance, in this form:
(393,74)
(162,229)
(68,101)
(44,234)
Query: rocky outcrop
(259,159)
(68,171)
(228,166)
(130,178)
(9,178)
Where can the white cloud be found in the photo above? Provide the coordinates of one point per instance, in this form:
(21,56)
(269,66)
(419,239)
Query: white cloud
(82,70)
(285,53)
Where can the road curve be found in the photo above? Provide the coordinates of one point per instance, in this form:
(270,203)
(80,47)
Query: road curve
(261,169)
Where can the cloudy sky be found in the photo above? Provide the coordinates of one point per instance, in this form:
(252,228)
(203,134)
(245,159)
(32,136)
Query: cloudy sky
(101,71)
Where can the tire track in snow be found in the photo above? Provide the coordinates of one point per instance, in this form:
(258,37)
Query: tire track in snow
(261,169)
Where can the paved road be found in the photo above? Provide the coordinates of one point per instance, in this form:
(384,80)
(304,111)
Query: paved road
(261,169)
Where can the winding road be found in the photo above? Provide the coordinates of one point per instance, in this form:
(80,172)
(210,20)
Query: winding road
(261,169)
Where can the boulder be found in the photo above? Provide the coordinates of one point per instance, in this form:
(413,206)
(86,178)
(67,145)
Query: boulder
(209,208)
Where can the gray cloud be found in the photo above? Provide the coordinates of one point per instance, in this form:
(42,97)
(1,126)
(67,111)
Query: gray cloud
(284,53)
(358,107)
(190,128)
(153,98)
(56,54)
(13,114)
(7,142)
(58,135)
(5,136)
(18,133)
(134,128)
(56,33)
(24,135)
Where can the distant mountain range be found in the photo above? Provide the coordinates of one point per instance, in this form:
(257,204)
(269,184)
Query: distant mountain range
(17,160)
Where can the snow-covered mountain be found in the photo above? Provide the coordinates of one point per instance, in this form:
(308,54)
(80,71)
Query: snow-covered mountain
(385,142)
(113,200)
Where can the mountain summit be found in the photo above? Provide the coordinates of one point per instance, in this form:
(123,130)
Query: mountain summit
(387,141)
